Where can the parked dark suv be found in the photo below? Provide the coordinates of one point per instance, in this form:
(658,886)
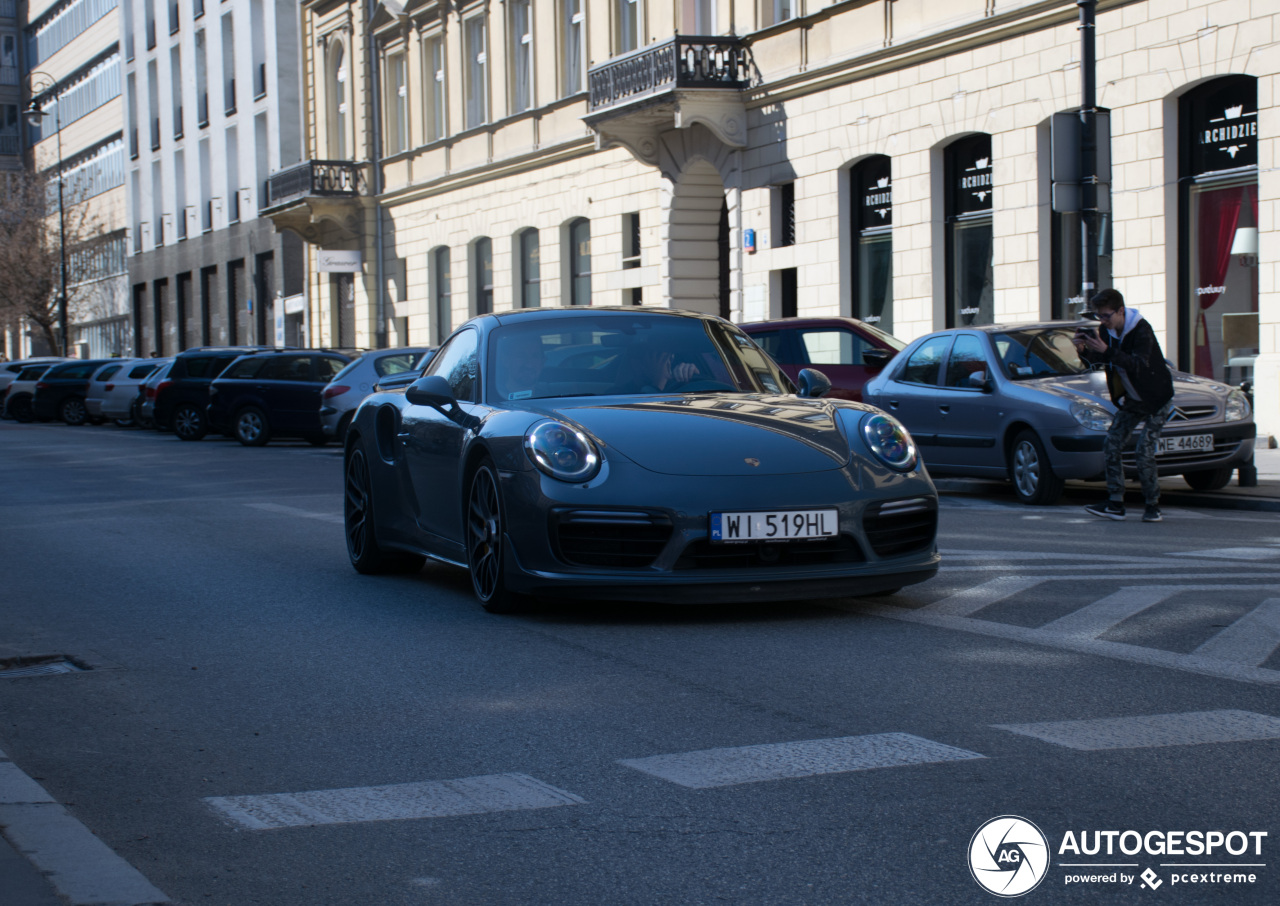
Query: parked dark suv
(61,390)
(278,393)
(183,396)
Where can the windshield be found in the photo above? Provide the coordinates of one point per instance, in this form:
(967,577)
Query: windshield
(1038,352)
(621,355)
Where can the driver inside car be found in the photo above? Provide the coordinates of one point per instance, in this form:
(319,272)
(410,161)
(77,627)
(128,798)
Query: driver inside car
(519,366)
(658,373)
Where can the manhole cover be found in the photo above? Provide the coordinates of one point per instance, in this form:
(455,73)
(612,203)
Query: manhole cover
(41,665)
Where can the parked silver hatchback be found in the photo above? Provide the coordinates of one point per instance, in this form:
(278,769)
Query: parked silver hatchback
(112,393)
(352,384)
(1017,402)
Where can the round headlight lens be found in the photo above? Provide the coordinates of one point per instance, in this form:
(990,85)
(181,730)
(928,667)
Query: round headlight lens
(1091,416)
(1237,406)
(889,441)
(562,452)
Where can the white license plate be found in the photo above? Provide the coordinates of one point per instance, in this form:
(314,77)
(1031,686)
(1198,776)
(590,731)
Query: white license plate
(774,525)
(1188,443)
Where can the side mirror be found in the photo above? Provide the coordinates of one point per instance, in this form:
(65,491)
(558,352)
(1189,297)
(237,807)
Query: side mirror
(813,383)
(432,390)
(980,380)
(877,358)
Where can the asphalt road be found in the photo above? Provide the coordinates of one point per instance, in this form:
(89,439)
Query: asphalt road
(1086,676)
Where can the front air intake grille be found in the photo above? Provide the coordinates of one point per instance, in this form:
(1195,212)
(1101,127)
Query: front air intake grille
(1192,413)
(620,539)
(755,554)
(898,527)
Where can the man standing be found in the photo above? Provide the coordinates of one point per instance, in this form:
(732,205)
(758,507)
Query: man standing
(1142,390)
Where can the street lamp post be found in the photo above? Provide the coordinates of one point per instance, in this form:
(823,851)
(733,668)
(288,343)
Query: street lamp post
(36,116)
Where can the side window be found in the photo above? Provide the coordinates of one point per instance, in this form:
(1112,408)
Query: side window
(773,343)
(833,347)
(327,368)
(245,368)
(287,368)
(107,373)
(967,358)
(198,367)
(926,361)
(458,363)
(395,364)
(140,372)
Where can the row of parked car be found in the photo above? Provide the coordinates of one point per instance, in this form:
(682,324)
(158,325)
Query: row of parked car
(1011,401)
(250,393)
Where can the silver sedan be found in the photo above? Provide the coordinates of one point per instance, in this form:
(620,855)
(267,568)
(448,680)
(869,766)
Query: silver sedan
(1017,402)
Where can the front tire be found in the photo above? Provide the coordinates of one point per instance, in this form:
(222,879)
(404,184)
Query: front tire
(367,556)
(189,423)
(72,411)
(1209,479)
(486,542)
(20,409)
(251,427)
(1029,470)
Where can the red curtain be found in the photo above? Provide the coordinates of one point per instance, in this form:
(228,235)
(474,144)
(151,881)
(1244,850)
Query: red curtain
(1218,215)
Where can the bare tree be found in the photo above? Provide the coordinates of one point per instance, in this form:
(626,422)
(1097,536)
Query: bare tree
(31,251)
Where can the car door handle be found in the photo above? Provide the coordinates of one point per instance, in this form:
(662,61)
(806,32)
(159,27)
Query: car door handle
(405,439)
(893,404)
(944,409)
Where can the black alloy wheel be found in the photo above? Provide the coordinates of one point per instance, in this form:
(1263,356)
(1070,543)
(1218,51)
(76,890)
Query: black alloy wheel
(367,556)
(1029,470)
(72,411)
(251,427)
(486,542)
(189,422)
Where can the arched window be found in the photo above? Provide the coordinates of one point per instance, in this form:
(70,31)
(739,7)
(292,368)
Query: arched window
(580,262)
(970,249)
(338,104)
(1218,162)
(872,252)
(530,276)
(483,276)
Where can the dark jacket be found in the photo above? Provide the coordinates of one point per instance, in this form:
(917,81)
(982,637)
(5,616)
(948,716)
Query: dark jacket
(1138,353)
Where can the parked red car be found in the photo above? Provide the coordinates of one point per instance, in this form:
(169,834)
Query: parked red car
(848,351)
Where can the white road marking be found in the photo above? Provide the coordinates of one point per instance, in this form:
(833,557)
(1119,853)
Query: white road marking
(1231,553)
(397,802)
(971,600)
(786,760)
(1146,732)
(296,512)
(1249,640)
(82,868)
(1093,620)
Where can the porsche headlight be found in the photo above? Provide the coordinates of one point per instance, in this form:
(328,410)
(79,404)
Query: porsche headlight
(1091,416)
(1237,406)
(889,441)
(562,452)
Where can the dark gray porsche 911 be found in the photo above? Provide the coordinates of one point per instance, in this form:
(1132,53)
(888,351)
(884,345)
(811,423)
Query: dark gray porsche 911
(633,454)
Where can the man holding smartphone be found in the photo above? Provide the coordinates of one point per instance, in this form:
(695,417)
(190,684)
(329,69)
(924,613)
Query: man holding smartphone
(1142,390)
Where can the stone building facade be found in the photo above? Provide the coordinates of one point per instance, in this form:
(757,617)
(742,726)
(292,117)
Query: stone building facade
(885,159)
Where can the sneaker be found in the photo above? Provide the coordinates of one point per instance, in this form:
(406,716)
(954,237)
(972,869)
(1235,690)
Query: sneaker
(1108,510)
(1152,514)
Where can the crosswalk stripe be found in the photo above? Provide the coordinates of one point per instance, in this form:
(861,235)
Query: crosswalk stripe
(971,600)
(1153,731)
(1093,620)
(1231,553)
(1249,640)
(397,802)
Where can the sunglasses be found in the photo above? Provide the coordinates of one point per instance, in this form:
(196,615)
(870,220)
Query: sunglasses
(1104,315)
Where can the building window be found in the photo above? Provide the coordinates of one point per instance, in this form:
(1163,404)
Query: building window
(784,215)
(337,96)
(629,21)
(872,251)
(443,293)
(970,250)
(483,276)
(631,240)
(781,10)
(477,87)
(580,262)
(435,97)
(530,269)
(1218,162)
(521,55)
(573,22)
(9,129)
(397,104)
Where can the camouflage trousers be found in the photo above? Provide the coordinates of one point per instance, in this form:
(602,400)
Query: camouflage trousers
(1122,426)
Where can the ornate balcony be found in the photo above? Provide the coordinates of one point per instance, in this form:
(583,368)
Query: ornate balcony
(317,196)
(686,80)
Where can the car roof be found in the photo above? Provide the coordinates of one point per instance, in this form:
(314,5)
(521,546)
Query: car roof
(582,311)
(831,321)
(1026,325)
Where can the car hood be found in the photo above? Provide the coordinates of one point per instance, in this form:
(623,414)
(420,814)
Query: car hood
(718,434)
(1189,390)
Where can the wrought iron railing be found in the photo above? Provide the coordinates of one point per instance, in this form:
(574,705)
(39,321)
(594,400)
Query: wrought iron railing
(682,62)
(316,177)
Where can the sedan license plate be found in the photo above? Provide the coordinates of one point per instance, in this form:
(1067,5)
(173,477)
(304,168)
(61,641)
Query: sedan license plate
(774,525)
(1187,443)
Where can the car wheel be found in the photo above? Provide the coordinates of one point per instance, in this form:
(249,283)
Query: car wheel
(1209,479)
(251,427)
(486,542)
(189,423)
(19,409)
(367,557)
(72,411)
(1029,470)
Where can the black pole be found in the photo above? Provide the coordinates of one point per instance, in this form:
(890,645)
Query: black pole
(1088,151)
(62,239)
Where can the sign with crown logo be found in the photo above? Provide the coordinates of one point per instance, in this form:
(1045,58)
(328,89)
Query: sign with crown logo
(1223,127)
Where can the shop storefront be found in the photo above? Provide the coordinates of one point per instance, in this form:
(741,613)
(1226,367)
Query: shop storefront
(970,270)
(873,242)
